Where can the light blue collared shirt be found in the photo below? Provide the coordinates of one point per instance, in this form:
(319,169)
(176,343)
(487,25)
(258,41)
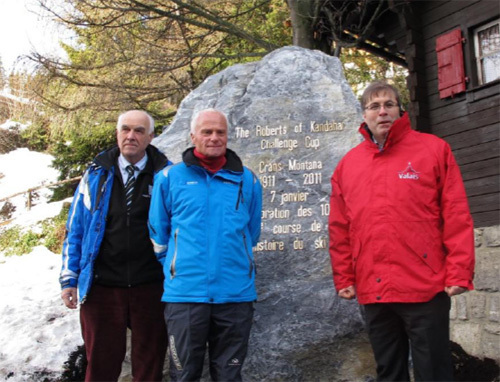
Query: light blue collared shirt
(123,163)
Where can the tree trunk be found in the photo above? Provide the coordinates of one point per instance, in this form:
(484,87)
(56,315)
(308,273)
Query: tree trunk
(302,15)
(305,17)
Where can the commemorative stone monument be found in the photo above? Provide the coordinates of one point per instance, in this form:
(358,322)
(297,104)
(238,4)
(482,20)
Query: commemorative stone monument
(292,116)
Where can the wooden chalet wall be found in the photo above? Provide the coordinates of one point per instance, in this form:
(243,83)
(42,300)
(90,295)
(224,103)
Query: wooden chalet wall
(469,121)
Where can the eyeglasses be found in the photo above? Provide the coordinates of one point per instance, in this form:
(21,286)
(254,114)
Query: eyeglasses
(376,106)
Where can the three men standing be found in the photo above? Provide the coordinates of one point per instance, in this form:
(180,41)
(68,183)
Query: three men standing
(401,238)
(108,256)
(205,217)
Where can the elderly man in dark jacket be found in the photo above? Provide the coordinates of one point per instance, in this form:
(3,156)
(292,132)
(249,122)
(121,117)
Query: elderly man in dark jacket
(108,256)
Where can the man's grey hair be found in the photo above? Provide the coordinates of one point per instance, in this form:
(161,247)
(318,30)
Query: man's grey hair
(196,116)
(150,119)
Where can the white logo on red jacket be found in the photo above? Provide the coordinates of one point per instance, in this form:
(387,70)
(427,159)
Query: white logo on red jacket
(408,173)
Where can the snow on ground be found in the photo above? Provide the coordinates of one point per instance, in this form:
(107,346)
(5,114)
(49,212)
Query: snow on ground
(10,124)
(22,169)
(37,333)
(38,213)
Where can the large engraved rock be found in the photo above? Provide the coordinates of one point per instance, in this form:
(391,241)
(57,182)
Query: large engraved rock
(292,116)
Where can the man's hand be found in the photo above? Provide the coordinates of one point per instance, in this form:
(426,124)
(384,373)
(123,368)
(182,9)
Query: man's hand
(70,297)
(348,293)
(454,290)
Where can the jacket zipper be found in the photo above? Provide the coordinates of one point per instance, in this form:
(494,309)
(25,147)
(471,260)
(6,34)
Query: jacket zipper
(248,255)
(240,196)
(174,259)
(128,252)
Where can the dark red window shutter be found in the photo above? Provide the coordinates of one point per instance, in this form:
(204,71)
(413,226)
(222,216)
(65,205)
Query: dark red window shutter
(450,58)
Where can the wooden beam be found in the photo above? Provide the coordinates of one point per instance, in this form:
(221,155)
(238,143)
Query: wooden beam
(380,52)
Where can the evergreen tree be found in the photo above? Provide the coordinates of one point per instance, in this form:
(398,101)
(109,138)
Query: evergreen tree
(149,54)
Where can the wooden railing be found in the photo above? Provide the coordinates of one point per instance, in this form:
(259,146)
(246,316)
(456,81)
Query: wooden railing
(30,190)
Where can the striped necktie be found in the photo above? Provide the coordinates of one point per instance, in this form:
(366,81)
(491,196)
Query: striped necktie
(129,186)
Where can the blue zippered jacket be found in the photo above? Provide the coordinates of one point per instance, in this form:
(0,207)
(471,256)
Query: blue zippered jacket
(203,227)
(87,218)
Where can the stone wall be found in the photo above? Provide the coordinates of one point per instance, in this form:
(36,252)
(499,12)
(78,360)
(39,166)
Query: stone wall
(475,316)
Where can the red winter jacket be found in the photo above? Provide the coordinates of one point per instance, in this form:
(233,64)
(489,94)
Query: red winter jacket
(400,227)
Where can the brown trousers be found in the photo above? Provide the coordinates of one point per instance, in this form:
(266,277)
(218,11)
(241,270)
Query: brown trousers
(105,317)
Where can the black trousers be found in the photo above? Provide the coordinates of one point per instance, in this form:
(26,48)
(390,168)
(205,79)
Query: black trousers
(226,329)
(395,328)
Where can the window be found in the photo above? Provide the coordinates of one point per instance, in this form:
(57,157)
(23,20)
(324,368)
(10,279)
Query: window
(487,45)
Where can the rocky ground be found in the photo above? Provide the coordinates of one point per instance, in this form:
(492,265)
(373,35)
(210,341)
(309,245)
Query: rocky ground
(352,361)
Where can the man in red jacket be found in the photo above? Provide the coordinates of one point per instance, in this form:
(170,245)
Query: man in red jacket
(401,238)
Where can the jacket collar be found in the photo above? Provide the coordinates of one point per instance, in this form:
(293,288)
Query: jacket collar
(398,130)
(233,161)
(108,158)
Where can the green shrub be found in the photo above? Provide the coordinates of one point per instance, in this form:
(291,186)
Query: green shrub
(36,137)
(72,157)
(54,231)
(14,241)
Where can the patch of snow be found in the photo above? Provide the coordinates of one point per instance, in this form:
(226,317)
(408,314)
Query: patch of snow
(7,94)
(23,169)
(9,124)
(29,220)
(37,332)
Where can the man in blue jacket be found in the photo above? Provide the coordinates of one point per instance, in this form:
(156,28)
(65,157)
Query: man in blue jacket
(204,219)
(108,256)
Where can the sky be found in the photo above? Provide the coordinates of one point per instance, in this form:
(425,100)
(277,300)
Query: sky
(37,332)
(24,28)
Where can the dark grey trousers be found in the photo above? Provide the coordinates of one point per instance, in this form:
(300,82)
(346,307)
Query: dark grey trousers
(224,327)
(395,328)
